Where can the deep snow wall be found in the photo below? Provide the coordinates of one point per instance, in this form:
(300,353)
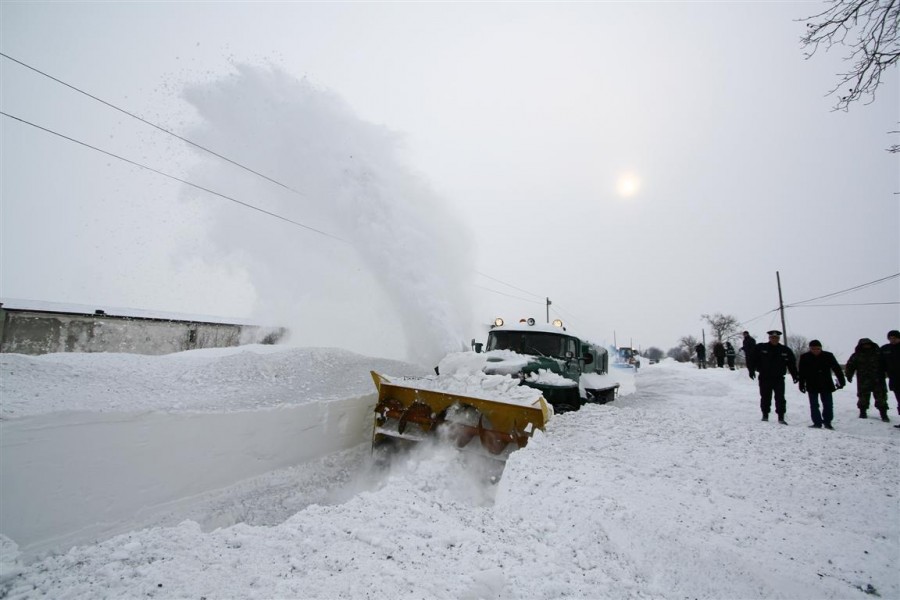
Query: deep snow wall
(71,478)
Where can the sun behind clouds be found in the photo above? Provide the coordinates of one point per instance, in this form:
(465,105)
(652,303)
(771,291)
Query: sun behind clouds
(628,184)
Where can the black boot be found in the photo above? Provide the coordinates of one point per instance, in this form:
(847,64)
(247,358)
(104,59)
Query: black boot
(862,413)
(884,415)
(765,417)
(781,420)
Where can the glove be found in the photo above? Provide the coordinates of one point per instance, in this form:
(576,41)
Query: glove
(802,389)
(795,379)
(752,375)
(849,379)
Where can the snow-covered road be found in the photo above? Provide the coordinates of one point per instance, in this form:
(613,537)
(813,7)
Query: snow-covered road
(675,491)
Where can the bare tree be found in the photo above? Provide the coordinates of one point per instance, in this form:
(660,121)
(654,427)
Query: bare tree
(797,343)
(679,354)
(723,326)
(869,29)
(654,353)
(688,343)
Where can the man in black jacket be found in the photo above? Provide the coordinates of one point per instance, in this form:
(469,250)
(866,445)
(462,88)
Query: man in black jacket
(890,364)
(771,360)
(747,346)
(816,367)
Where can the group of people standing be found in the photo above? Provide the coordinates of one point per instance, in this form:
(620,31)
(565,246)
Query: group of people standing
(722,353)
(816,372)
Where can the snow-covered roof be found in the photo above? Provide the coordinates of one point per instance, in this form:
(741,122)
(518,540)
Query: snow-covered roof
(113,311)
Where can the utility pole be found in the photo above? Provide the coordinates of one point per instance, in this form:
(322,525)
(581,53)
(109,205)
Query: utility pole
(781,308)
(548,310)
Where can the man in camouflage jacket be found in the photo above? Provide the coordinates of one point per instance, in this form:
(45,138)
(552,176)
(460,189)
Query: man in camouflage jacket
(865,365)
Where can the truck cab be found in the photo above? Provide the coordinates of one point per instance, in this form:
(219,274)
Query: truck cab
(551,360)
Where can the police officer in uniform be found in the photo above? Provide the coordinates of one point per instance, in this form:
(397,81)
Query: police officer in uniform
(771,360)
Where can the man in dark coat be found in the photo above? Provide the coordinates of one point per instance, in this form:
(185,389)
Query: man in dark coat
(890,364)
(719,353)
(747,347)
(701,356)
(729,355)
(816,367)
(865,363)
(771,360)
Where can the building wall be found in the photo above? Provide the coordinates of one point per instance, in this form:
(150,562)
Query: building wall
(36,332)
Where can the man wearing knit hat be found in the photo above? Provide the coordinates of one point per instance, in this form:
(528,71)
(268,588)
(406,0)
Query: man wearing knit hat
(890,364)
(816,368)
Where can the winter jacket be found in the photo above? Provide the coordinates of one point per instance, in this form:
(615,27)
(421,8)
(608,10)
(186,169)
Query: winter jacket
(815,372)
(719,350)
(747,346)
(890,364)
(772,361)
(701,351)
(865,364)
(729,350)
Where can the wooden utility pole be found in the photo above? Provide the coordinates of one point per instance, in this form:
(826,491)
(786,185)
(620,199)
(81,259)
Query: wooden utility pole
(781,308)
(548,310)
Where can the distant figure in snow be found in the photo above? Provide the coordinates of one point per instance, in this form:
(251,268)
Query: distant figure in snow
(719,353)
(890,364)
(747,347)
(771,360)
(865,363)
(729,355)
(701,356)
(816,367)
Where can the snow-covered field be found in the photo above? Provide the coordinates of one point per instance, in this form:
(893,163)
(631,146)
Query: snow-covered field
(676,490)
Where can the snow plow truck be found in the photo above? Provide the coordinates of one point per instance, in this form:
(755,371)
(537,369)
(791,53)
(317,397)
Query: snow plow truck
(493,401)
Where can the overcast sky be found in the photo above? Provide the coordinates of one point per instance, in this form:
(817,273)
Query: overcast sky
(640,164)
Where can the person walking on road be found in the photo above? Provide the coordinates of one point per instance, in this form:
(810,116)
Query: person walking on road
(701,356)
(771,360)
(729,355)
(747,346)
(890,364)
(719,353)
(865,364)
(816,368)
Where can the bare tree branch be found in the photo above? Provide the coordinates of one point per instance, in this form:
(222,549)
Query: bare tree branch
(876,47)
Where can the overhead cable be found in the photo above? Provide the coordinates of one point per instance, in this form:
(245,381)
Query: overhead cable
(507,295)
(509,285)
(151,124)
(173,177)
(857,304)
(196,145)
(848,290)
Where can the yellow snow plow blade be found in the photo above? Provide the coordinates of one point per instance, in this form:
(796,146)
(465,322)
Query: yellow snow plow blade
(414,414)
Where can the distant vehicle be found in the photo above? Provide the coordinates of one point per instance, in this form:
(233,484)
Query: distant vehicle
(627,358)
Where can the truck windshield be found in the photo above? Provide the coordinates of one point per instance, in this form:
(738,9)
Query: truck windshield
(528,342)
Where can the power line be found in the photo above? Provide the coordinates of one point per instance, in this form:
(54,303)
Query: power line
(151,124)
(848,290)
(201,147)
(507,295)
(173,177)
(509,285)
(759,317)
(858,304)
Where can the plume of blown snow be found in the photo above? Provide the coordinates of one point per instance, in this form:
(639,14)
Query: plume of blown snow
(374,260)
